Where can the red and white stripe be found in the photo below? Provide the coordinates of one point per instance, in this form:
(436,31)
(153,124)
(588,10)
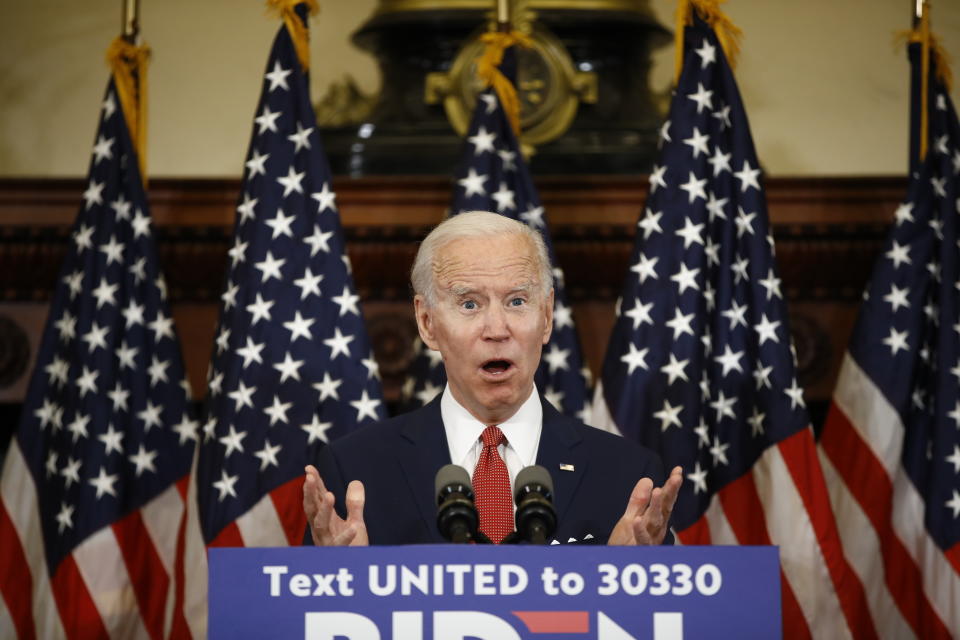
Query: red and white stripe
(116,583)
(912,586)
(783,501)
(277,520)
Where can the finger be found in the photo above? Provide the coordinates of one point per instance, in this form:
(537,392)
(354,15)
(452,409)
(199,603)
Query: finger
(317,502)
(345,537)
(321,526)
(356,497)
(314,476)
(312,495)
(639,499)
(640,533)
(648,526)
(671,489)
(313,488)
(654,514)
(653,518)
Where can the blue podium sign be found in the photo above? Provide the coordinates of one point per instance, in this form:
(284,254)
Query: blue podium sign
(458,592)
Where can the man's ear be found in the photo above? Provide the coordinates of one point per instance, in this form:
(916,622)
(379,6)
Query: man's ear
(548,311)
(425,321)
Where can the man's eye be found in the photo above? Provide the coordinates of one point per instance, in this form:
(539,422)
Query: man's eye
(517,302)
(469,304)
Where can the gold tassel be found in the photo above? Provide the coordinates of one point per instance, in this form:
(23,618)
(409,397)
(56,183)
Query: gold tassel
(930,49)
(128,63)
(709,11)
(487,69)
(295,27)
(937,53)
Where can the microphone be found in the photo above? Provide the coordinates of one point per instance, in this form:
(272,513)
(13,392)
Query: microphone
(456,514)
(533,493)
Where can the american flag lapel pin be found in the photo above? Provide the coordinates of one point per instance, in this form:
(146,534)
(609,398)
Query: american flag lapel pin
(566,467)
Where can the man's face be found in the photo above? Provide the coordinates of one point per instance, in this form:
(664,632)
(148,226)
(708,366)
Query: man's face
(490,322)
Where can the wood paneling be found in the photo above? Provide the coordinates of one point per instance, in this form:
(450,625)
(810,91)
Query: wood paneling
(828,233)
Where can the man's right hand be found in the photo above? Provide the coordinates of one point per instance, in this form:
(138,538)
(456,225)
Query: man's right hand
(326,527)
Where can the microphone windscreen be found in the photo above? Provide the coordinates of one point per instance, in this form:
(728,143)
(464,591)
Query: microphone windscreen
(451,474)
(534,474)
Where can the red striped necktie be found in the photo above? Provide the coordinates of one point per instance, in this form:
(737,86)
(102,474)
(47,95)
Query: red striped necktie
(491,485)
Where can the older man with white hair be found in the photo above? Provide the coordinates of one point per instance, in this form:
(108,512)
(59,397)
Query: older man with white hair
(484,299)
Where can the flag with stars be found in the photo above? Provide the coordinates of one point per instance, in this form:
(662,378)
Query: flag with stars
(92,483)
(493,176)
(292,366)
(890,447)
(700,367)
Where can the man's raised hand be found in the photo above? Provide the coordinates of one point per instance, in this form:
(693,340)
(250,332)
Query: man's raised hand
(326,527)
(647,516)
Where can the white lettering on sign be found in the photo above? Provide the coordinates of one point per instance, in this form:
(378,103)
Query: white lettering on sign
(570,583)
(303,585)
(658,579)
(275,571)
(456,579)
(667,625)
(335,625)
(460,625)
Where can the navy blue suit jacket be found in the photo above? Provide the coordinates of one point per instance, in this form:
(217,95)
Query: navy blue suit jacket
(397,460)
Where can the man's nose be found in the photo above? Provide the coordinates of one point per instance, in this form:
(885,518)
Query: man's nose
(495,326)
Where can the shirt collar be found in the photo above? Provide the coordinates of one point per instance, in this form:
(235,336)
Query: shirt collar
(522,429)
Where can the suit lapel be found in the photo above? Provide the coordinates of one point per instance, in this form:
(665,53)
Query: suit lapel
(557,447)
(429,452)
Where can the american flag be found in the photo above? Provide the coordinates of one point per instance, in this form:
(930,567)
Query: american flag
(890,447)
(493,176)
(292,366)
(700,366)
(92,484)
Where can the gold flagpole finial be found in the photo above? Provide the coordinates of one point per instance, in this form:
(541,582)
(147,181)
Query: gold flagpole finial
(503,15)
(131,20)
(924,77)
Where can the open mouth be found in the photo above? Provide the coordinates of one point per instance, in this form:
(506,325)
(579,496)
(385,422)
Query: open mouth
(497,367)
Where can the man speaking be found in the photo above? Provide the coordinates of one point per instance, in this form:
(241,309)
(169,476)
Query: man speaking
(484,300)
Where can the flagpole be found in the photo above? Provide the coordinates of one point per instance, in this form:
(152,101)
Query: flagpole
(131,20)
(922,18)
(503,16)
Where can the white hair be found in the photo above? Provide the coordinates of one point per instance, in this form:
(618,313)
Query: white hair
(473,224)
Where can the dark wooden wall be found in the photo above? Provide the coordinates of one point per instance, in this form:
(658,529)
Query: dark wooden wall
(828,233)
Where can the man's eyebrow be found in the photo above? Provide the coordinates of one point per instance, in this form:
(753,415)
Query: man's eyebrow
(461,290)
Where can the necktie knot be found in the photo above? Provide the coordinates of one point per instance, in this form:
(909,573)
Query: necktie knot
(492,436)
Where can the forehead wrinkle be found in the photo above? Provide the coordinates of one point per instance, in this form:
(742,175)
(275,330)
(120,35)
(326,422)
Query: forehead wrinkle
(460,285)
(498,264)
(450,272)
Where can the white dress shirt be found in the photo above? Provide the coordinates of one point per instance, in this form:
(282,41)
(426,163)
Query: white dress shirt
(522,432)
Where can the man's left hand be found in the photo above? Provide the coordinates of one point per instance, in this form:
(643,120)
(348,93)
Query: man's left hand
(648,512)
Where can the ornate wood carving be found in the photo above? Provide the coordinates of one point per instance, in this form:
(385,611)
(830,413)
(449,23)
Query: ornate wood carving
(828,233)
